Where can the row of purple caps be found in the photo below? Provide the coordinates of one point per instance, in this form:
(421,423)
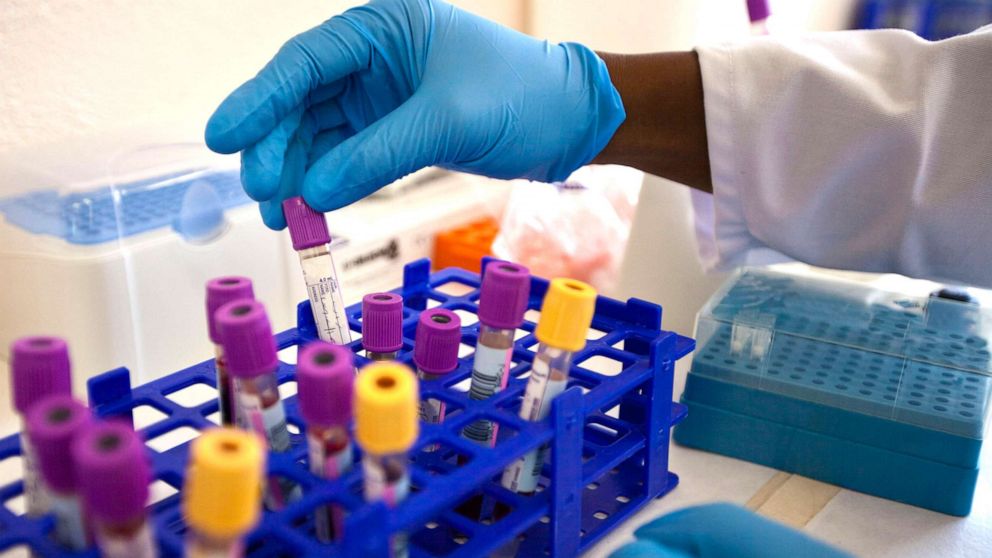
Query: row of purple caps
(106,461)
(324,372)
(103,461)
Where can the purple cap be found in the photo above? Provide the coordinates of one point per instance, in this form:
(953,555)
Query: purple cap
(39,366)
(53,423)
(758,10)
(220,291)
(247,339)
(307,227)
(324,375)
(113,471)
(505,290)
(382,322)
(439,332)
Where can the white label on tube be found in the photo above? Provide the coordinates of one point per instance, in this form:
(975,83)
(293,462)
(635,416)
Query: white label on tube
(270,422)
(489,375)
(141,545)
(70,531)
(378,487)
(35,494)
(326,300)
(523,474)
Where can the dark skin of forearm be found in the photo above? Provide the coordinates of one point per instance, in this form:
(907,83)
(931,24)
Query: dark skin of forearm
(665,130)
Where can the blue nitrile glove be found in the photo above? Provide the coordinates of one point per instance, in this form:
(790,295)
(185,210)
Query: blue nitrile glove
(397,85)
(722,531)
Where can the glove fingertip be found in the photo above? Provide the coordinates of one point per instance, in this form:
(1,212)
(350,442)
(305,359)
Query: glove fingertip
(272,215)
(647,549)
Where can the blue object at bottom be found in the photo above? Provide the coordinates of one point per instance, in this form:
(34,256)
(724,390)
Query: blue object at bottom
(609,436)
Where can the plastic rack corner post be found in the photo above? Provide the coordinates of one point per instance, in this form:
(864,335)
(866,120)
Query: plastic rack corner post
(609,435)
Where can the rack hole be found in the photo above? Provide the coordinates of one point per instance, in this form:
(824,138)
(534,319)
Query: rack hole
(146,415)
(601,515)
(287,389)
(603,365)
(160,490)
(193,395)
(172,438)
(454,288)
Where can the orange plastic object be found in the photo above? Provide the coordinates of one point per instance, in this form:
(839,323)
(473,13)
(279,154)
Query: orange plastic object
(465,246)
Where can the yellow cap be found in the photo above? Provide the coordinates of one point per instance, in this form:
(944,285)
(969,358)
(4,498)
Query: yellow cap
(566,314)
(387,405)
(223,489)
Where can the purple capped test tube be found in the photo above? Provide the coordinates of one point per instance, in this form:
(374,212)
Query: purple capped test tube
(502,304)
(325,374)
(435,352)
(39,367)
(113,472)
(311,240)
(252,362)
(53,424)
(220,291)
(382,325)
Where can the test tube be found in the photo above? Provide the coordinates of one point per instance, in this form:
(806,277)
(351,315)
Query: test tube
(53,424)
(222,492)
(566,315)
(113,472)
(502,304)
(220,291)
(386,428)
(382,325)
(39,367)
(311,240)
(251,356)
(435,352)
(325,374)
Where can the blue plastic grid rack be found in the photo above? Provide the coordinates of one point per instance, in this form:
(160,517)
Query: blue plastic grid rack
(609,434)
(876,392)
(105,214)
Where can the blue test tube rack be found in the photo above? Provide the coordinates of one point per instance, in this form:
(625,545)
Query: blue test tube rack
(609,434)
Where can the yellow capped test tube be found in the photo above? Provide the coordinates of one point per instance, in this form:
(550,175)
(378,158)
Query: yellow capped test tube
(223,492)
(566,315)
(387,406)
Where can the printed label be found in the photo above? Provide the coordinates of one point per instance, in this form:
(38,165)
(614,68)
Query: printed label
(70,531)
(325,300)
(523,474)
(270,423)
(141,545)
(35,494)
(488,377)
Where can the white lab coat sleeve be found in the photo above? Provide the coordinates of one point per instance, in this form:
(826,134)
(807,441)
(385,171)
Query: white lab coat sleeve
(866,150)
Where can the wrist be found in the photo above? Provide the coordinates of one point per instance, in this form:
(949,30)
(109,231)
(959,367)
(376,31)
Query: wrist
(665,130)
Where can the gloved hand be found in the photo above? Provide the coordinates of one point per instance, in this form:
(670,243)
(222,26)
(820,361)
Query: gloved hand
(397,85)
(722,531)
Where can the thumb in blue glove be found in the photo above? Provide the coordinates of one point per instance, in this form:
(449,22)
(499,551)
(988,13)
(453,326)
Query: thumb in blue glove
(396,85)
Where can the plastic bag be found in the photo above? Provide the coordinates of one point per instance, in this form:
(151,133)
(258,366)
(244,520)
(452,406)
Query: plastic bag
(576,229)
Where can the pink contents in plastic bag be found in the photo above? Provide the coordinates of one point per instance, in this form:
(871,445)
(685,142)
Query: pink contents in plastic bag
(576,229)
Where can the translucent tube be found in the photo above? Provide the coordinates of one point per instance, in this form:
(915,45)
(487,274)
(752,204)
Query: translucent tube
(548,378)
(311,240)
(324,293)
(431,410)
(220,291)
(381,357)
(252,360)
(386,427)
(70,528)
